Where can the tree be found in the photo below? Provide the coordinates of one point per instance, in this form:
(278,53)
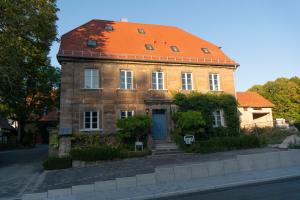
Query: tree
(284,93)
(27,81)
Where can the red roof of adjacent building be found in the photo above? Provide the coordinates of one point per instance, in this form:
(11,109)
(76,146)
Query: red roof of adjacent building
(252,99)
(125,42)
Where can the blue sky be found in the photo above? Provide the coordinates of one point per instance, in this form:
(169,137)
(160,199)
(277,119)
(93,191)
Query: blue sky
(263,36)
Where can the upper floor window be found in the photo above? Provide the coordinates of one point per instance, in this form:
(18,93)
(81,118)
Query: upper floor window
(126,79)
(157,80)
(174,48)
(149,47)
(91,120)
(186,79)
(125,114)
(91,78)
(91,43)
(214,82)
(218,118)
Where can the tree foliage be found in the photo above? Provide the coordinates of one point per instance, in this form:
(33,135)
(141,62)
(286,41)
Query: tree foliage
(27,81)
(284,93)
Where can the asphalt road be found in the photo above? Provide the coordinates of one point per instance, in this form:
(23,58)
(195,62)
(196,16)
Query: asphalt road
(20,170)
(288,189)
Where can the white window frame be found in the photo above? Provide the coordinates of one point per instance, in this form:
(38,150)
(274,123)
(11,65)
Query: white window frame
(126,83)
(91,121)
(185,85)
(88,73)
(156,80)
(212,85)
(126,113)
(222,120)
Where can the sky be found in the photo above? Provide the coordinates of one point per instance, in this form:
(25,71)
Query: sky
(263,36)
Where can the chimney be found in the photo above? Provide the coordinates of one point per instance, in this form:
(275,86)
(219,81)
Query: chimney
(123,20)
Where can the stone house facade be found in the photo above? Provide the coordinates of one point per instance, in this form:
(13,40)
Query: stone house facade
(112,70)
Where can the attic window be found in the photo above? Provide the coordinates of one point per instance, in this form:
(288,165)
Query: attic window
(205,50)
(91,43)
(174,48)
(149,47)
(108,28)
(141,31)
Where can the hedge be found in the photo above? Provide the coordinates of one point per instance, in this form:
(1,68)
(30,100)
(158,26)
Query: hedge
(95,153)
(52,163)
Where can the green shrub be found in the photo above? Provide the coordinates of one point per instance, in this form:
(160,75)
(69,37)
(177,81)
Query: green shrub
(95,153)
(82,140)
(219,144)
(133,129)
(190,122)
(134,154)
(297,125)
(52,163)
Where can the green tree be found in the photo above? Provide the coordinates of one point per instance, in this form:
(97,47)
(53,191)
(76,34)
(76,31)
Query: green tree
(284,93)
(27,81)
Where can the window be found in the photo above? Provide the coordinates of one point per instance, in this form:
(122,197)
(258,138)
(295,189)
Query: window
(149,47)
(214,82)
(174,48)
(91,120)
(126,113)
(157,80)
(218,118)
(141,31)
(205,50)
(126,79)
(91,43)
(91,79)
(186,79)
(108,28)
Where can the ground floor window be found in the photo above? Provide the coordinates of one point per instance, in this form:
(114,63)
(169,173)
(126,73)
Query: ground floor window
(218,118)
(91,120)
(125,113)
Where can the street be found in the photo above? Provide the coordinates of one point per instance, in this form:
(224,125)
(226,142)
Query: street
(279,190)
(21,170)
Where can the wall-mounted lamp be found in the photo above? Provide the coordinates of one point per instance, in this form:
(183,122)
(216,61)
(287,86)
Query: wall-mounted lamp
(147,111)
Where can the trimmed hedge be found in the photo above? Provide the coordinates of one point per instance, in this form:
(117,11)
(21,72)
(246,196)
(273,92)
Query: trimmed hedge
(52,163)
(95,153)
(219,144)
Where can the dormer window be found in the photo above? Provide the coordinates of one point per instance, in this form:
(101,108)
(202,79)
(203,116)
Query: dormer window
(108,28)
(205,50)
(141,31)
(91,43)
(174,48)
(149,47)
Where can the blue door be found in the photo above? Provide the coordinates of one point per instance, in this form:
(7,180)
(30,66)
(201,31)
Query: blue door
(159,125)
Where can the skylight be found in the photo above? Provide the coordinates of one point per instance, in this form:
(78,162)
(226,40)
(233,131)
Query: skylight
(205,50)
(149,47)
(174,48)
(108,28)
(91,43)
(141,31)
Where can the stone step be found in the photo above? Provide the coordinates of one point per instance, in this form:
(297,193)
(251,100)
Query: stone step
(165,146)
(166,151)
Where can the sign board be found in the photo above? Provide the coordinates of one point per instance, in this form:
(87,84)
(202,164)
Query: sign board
(189,139)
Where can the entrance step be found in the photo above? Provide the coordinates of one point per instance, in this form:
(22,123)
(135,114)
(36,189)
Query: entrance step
(165,147)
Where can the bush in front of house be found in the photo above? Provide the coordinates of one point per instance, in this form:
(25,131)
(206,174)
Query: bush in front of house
(53,163)
(219,144)
(95,153)
(135,128)
(82,140)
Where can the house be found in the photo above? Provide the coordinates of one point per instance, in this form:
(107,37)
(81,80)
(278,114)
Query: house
(116,69)
(254,110)
(6,130)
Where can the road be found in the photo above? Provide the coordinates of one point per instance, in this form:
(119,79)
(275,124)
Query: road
(21,170)
(278,190)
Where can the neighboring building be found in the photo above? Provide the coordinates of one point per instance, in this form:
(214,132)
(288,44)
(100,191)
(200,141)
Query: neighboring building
(254,110)
(113,70)
(6,130)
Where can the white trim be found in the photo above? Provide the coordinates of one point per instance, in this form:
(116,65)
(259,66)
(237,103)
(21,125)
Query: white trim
(222,120)
(91,121)
(126,84)
(211,80)
(156,80)
(88,73)
(126,113)
(186,81)
(90,130)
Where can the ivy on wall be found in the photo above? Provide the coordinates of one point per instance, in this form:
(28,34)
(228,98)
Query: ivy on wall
(206,104)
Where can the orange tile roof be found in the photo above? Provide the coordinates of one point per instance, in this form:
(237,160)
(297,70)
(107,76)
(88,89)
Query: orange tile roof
(252,99)
(126,43)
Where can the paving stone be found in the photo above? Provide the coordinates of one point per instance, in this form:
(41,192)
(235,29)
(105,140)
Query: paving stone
(126,182)
(59,192)
(82,188)
(215,168)
(35,196)
(199,170)
(102,186)
(164,174)
(183,172)
(230,166)
(145,179)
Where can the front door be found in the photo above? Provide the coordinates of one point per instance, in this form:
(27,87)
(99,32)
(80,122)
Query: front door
(159,125)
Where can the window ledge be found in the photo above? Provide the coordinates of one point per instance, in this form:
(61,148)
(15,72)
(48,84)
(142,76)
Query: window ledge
(187,90)
(129,90)
(162,90)
(216,91)
(90,130)
(91,88)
